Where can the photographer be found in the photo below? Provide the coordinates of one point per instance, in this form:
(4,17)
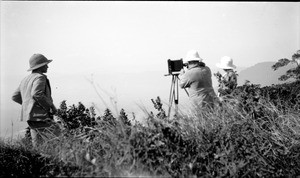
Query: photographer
(198,79)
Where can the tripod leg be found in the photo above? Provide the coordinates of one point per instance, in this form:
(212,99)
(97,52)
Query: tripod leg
(176,91)
(172,95)
(170,98)
(176,95)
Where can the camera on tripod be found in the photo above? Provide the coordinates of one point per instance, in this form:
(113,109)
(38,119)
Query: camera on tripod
(175,66)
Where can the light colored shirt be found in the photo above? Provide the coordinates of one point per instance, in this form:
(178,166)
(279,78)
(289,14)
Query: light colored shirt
(198,80)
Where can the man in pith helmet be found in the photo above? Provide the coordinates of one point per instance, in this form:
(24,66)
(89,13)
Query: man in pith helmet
(229,78)
(34,94)
(198,79)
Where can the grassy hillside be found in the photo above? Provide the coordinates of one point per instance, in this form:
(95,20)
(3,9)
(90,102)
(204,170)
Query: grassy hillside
(254,133)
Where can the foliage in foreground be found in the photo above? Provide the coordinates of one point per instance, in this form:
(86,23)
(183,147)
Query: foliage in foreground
(254,133)
(17,160)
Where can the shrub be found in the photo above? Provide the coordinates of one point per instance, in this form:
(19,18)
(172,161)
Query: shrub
(293,73)
(253,133)
(17,160)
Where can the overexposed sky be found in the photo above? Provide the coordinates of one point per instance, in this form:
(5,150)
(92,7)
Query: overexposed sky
(91,36)
(85,37)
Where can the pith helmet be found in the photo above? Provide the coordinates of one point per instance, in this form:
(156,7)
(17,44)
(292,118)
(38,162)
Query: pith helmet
(37,61)
(226,63)
(193,55)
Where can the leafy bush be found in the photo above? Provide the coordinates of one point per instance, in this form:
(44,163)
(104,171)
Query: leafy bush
(76,116)
(236,145)
(253,133)
(230,85)
(293,73)
(19,161)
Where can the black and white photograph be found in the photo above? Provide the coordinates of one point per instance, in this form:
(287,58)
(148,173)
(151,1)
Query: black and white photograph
(149,89)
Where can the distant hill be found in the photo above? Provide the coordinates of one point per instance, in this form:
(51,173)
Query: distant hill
(263,74)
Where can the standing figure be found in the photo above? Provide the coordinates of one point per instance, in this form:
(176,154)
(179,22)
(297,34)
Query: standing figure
(198,79)
(34,94)
(228,81)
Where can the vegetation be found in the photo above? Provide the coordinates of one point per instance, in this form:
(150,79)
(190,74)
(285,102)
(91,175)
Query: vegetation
(293,73)
(230,84)
(253,132)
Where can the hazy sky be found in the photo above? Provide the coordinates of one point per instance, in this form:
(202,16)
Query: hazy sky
(111,38)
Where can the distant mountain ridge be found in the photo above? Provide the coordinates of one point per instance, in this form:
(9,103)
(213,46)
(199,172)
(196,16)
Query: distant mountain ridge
(263,74)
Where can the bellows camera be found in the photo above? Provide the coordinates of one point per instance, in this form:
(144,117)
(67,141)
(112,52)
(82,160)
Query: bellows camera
(175,66)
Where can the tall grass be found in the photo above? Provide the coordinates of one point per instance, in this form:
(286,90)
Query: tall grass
(238,138)
(226,141)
